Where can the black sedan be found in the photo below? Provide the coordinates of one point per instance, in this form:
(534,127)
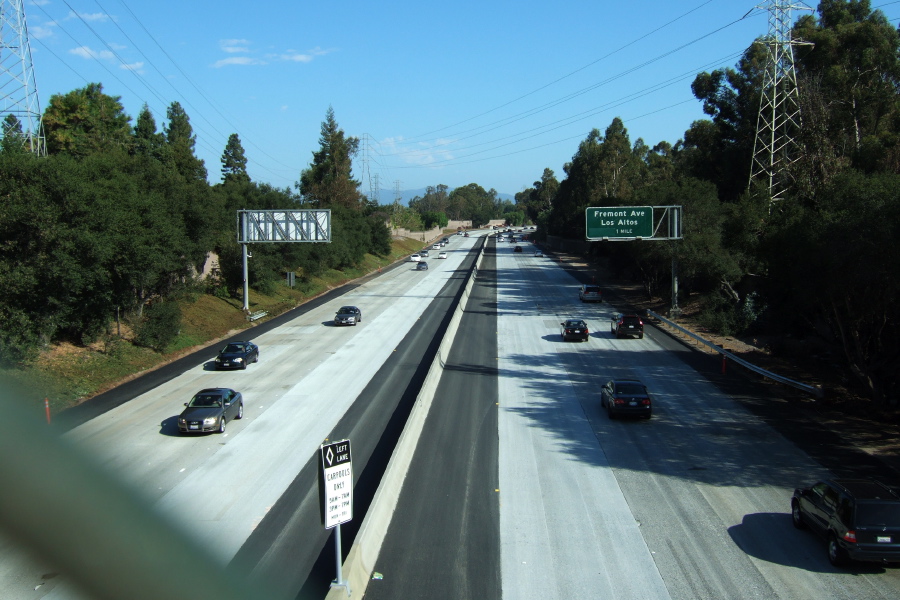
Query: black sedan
(626,397)
(210,409)
(348,315)
(237,355)
(517,249)
(574,329)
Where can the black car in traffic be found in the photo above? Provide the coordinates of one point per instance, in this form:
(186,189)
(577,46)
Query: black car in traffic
(627,325)
(210,409)
(626,397)
(859,519)
(574,329)
(237,355)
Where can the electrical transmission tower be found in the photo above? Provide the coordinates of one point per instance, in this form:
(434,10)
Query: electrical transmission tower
(778,127)
(18,89)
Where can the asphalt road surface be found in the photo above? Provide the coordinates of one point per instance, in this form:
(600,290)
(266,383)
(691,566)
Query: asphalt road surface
(693,503)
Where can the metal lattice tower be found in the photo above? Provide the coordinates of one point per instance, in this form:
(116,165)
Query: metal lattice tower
(18,89)
(777,146)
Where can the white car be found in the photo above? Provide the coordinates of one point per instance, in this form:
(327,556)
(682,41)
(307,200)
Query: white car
(436,246)
(442,255)
(538,253)
(415,258)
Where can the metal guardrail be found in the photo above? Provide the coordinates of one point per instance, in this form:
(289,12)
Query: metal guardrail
(809,389)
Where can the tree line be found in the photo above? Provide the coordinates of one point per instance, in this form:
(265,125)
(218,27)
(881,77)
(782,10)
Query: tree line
(822,266)
(118,220)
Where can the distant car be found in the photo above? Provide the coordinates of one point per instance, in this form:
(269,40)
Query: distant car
(445,241)
(237,355)
(538,253)
(422,266)
(626,397)
(859,518)
(210,409)
(442,255)
(590,293)
(415,257)
(350,315)
(466,234)
(424,253)
(574,329)
(436,246)
(517,249)
(626,325)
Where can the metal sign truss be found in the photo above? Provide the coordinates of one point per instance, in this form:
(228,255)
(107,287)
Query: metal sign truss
(284,226)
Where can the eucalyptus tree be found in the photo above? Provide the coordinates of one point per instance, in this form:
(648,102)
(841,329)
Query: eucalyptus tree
(85,121)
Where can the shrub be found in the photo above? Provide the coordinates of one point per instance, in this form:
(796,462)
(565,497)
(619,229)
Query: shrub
(160,326)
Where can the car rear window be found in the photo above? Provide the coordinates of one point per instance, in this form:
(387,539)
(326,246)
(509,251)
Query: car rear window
(592,290)
(878,513)
(630,389)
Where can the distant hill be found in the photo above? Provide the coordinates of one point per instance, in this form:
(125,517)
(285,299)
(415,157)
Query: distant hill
(387,196)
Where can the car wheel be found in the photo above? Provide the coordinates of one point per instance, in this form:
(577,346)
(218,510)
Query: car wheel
(243,365)
(610,413)
(222,424)
(797,516)
(640,336)
(836,555)
(240,414)
(648,415)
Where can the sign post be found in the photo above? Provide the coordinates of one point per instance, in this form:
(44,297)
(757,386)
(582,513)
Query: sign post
(336,495)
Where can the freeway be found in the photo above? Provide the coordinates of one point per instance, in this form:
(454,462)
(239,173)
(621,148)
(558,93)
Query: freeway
(248,496)
(691,504)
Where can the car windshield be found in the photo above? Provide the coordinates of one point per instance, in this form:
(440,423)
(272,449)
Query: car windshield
(206,400)
(574,323)
(233,348)
(877,513)
(630,389)
(347,309)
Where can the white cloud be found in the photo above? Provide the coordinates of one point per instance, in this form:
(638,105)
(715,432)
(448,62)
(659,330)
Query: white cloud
(41,32)
(95,17)
(284,107)
(238,60)
(420,154)
(137,67)
(86,52)
(234,46)
(304,57)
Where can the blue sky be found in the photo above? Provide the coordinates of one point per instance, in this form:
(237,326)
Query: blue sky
(489,92)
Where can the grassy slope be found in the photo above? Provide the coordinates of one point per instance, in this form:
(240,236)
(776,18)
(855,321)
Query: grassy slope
(66,374)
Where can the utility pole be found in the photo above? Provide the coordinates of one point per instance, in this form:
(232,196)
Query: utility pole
(18,88)
(777,146)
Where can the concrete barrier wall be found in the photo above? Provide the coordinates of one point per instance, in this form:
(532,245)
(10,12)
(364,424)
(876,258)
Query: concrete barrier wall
(360,562)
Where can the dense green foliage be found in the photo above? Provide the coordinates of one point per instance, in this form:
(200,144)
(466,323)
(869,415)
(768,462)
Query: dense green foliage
(120,220)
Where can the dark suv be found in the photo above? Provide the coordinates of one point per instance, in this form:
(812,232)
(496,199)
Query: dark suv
(626,325)
(859,518)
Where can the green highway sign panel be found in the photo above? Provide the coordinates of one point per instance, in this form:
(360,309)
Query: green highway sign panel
(613,222)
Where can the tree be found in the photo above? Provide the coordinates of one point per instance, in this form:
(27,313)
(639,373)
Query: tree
(234,162)
(147,141)
(85,121)
(181,140)
(328,182)
(13,136)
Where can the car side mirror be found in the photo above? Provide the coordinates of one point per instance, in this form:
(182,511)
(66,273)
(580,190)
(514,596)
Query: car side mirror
(228,403)
(185,403)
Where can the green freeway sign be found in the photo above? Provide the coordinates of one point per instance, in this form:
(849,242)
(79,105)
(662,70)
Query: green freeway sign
(619,222)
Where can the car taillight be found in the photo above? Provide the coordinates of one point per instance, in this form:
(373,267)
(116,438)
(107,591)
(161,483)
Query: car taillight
(850,536)
(646,401)
(619,401)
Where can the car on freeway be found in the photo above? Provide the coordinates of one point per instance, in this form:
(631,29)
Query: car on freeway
(350,315)
(237,355)
(442,255)
(626,325)
(538,253)
(424,253)
(574,329)
(466,234)
(415,257)
(422,266)
(590,293)
(210,409)
(859,519)
(517,249)
(626,397)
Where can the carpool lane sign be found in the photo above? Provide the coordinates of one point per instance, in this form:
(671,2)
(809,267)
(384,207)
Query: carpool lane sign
(336,483)
(612,222)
